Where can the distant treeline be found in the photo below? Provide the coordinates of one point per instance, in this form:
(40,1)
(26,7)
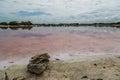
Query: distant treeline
(107,24)
(16,23)
(115,24)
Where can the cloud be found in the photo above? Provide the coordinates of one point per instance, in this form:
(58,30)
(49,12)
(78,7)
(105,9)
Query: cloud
(26,13)
(4,18)
(61,11)
(1,0)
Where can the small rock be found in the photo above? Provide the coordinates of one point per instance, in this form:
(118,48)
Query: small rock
(95,64)
(38,64)
(11,62)
(117,74)
(6,76)
(99,79)
(57,59)
(4,66)
(84,77)
(118,57)
(19,78)
(65,76)
(104,67)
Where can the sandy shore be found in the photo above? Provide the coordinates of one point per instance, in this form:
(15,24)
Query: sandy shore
(90,67)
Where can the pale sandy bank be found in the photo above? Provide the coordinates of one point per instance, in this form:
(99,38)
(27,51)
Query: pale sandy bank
(99,67)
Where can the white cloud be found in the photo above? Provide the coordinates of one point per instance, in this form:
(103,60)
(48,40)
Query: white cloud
(62,10)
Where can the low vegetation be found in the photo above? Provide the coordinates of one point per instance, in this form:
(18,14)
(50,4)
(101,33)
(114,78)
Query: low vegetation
(115,24)
(13,23)
(3,23)
(16,23)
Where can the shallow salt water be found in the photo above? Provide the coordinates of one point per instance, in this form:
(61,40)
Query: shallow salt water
(59,42)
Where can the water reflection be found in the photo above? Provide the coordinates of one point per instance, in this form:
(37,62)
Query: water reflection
(17,27)
(23,28)
(28,28)
(4,28)
(13,28)
(28,35)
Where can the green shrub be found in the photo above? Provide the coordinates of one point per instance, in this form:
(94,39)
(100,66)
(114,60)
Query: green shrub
(13,23)
(26,23)
(3,23)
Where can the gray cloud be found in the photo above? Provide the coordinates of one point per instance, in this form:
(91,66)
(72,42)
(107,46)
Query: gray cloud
(35,13)
(2,0)
(59,11)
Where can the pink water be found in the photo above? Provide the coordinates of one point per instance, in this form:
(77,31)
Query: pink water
(55,40)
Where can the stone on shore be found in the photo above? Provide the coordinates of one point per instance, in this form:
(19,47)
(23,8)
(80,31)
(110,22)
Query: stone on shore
(38,64)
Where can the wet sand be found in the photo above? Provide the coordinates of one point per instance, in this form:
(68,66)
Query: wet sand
(18,46)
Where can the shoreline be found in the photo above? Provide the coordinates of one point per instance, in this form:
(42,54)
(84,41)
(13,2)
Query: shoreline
(59,25)
(65,57)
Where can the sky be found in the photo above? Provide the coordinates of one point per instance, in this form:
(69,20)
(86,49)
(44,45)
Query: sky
(60,11)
